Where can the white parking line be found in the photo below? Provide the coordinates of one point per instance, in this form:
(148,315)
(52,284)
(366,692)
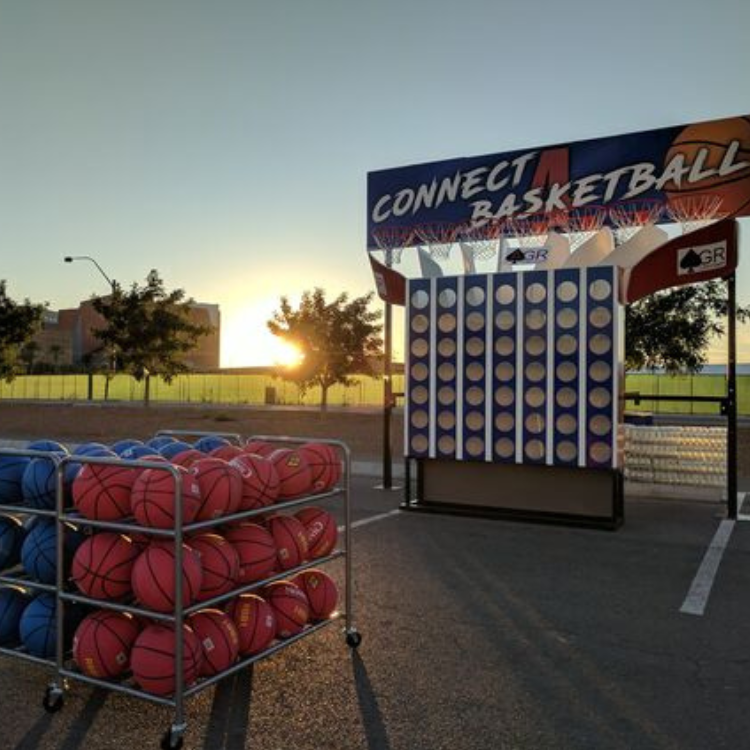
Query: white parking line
(373,519)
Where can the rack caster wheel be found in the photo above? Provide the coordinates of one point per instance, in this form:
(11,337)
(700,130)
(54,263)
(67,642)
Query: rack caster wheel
(171,741)
(353,639)
(53,700)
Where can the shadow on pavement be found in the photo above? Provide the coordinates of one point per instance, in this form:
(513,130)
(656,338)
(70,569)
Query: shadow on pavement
(230,713)
(79,728)
(32,738)
(372,720)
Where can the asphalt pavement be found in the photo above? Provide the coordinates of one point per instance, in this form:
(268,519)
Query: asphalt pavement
(476,634)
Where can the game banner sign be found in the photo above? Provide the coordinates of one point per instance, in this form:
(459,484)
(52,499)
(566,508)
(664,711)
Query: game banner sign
(663,166)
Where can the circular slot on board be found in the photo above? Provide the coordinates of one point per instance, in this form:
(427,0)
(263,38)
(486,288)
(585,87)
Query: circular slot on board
(420,324)
(419,443)
(600,452)
(600,425)
(505,422)
(600,317)
(475,321)
(505,371)
(447,347)
(504,396)
(566,424)
(504,448)
(419,395)
(535,346)
(475,420)
(474,396)
(419,347)
(567,317)
(534,423)
(447,322)
(474,446)
(446,395)
(446,371)
(600,398)
(505,346)
(505,320)
(446,444)
(535,293)
(566,451)
(535,319)
(446,420)
(600,289)
(567,291)
(505,294)
(447,298)
(420,299)
(534,397)
(419,419)
(534,450)
(566,345)
(475,296)
(475,372)
(567,372)
(600,344)
(419,371)
(475,346)
(600,371)
(566,398)
(535,371)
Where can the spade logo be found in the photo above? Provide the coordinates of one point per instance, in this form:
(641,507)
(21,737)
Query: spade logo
(702,258)
(516,256)
(690,261)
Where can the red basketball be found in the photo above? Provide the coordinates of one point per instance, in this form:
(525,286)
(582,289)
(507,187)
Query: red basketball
(220,487)
(102,493)
(291,541)
(260,482)
(294,473)
(256,549)
(153,656)
(320,458)
(102,643)
(103,564)
(220,563)
(153,500)
(255,621)
(259,448)
(321,592)
(219,640)
(321,529)
(290,605)
(153,576)
(188,457)
(227,452)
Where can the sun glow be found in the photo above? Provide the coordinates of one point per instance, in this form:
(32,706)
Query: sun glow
(286,354)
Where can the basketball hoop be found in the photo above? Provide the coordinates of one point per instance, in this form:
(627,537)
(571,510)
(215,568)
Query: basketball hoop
(581,223)
(628,217)
(530,231)
(392,241)
(438,238)
(693,211)
(480,243)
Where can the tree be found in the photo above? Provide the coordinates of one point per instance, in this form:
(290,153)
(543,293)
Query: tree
(673,329)
(55,351)
(18,323)
(148,329)
(337,339)
(28,355)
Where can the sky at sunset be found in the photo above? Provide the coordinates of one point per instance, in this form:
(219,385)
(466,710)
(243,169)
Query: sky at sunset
(227,143)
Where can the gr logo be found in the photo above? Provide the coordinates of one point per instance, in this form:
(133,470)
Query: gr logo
(527,255)
(701,258)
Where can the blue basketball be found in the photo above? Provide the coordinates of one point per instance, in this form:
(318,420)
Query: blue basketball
(38,627)
(210,442)
(39,481)
(13,601)
(11,539)
(85,449)
(47,445)
(158,442)
(123,445)
(170,450)
(11,478)
(39,549)
(136,452)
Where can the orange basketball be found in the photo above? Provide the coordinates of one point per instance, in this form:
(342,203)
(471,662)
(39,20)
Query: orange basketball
(220,488)
(290,605)
(294,472)
(320,458)
(255,621)
(102,643)
(103,564)
(259,448)
(227,452)
(256,549)
(291,540)
(321,529)
(153,498)
(321,592)
(102,493)
(188,457)
(220,563)
(260,482)
(219,639)
(709,143)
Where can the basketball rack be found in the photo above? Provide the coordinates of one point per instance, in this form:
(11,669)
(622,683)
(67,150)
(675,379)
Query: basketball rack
(65,669)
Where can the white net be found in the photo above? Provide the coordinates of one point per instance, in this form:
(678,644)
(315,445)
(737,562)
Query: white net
(529,231)
(581,223)
(437,238)
(630,216)
(480,243)
(693,211)
(392,241)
